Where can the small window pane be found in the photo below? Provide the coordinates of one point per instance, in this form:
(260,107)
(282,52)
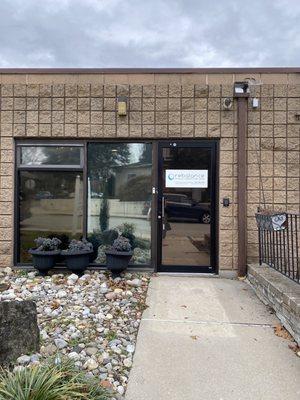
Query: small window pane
(50,155)
(50,205)
(119,197)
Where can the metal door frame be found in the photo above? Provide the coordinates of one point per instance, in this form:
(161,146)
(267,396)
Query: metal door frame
(212,145)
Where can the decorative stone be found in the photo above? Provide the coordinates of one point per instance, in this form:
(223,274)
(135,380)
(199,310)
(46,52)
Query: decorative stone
(90,364)
(60,343)
(19,331)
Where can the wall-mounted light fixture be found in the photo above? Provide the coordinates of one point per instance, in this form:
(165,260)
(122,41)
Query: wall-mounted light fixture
(122,105)
(241,88)
(255,102)
(227,103)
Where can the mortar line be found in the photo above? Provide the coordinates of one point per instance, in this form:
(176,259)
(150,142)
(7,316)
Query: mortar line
(203,322)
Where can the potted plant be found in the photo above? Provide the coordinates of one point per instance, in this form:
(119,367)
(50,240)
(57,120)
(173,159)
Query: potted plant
(77,255)
(45,254)
(119,255)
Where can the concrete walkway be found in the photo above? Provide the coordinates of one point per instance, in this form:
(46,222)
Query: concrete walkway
(210,339)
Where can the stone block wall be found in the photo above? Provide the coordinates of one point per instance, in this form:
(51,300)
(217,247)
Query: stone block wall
(162,106)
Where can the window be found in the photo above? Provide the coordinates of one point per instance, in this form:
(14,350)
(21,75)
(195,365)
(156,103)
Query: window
(50,186)
(119,197)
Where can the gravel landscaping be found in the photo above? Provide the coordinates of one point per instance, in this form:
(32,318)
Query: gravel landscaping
(92,320)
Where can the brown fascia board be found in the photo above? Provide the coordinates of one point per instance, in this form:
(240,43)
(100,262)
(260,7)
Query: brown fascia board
(257,70)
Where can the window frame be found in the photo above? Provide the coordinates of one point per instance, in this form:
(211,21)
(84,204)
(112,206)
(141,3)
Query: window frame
(73,142)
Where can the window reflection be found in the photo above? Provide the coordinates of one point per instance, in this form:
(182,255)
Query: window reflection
(119,196)
(50,205)
(50,155)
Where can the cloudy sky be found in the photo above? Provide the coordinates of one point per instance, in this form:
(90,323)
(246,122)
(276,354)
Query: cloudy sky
(151,33)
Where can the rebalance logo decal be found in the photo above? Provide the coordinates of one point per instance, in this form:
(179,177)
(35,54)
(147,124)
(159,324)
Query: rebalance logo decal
(187,178)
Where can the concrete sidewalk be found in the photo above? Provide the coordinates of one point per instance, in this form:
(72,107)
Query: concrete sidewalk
(210,339)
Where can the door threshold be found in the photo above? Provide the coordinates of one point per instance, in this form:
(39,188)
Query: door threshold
(194,274)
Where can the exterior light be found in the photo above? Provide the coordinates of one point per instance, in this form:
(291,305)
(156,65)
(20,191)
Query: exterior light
(122,105)
(241,88)
(227,103)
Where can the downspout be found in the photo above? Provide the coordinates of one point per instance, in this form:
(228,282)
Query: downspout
(242,118)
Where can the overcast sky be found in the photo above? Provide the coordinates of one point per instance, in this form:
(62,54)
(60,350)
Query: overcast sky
(149,33)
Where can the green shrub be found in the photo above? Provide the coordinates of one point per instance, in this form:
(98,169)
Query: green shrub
(50,382)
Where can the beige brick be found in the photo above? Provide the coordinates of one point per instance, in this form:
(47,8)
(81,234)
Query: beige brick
(19,117)
(32,129)
(32,117)
(280,104)
(214,131)
(122,131)
(44,117)
(71,90)
(58,103)
(266,130)
(45,130)
(214,104)
(201,104)
(161,117)
(293,157)
(293,169)
(280,156)
(44,104)
(109,104)
(227,117)
(187,104)
(201,130)
(174,90)
(148,130)
(135,117)
(96,90)
(135,104)
(174,104)
(253,117)
(266,104)
(6,168)
(174,117)
(33,90)
(201,117)
(71,117)
(84,130)
(162,91)
(70,130)
(58,117)
(32,103)
(19,130)
(6,129)
(83,117)
(96,131)
(7,156)
(228,130)
(279,117)
(20,90)
(161,104)
(7,90)
(7,103)
(96,103)
(58,130)
(187,130)
(122,90)
(6,143)
(280,130)
(267,90)
(136,90)
(148,104)
(6,260)
(162,131)
(148,117)
(280,90)
(135,130)
(96,117)
(279,169)
(174,130)
(5,247)
(109,130)
(294,90)
(58,90)
(188,90)
(148,90)
(201,91)
(6,182)
(213,117)
(214,91)
(187,117)
(293,184)
(84,90)
(6,208)
(45,90)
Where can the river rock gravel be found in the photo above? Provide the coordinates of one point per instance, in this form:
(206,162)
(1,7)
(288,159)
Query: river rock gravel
(92,319)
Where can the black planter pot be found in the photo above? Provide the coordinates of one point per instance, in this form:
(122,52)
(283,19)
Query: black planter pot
(43,261)
(77,262)
(117,261)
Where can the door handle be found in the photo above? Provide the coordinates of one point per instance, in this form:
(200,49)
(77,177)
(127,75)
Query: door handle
(163,206)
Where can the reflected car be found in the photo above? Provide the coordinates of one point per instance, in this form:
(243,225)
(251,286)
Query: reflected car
(180,206)
(44,194)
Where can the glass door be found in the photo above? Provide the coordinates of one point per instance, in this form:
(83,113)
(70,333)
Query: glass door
(186,206)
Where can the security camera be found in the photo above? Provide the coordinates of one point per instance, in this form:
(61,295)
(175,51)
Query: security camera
(227,103)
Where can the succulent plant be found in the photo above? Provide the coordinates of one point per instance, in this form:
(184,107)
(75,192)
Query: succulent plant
(121,244)
(79,246)
(47,244)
